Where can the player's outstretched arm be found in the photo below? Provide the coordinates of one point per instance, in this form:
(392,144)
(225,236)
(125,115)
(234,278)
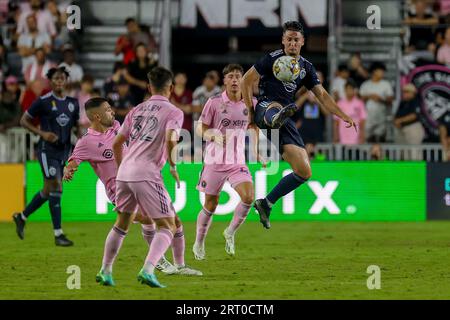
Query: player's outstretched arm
(247,82)
(117,148)
(328,103)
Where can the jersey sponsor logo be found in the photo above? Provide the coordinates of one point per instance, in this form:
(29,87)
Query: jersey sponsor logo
(63,119)
(71,107)
(108,154)
(225,122)
(290,86)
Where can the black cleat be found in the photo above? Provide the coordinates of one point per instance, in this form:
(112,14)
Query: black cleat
(264,212)
(62,241)
(20,225)
(280,118)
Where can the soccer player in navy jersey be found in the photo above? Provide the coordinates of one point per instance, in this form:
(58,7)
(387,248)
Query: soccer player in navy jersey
(58,114)
(276,104)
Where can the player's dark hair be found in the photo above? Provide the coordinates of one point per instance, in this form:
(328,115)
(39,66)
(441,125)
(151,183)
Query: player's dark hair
(94,103)
(232,67)
(351,83)
(53,71)
(293,26)
(160,77)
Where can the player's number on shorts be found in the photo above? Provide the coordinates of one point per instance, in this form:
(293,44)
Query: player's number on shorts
(143,128)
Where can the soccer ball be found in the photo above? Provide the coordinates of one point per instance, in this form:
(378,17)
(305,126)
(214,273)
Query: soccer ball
(286,69)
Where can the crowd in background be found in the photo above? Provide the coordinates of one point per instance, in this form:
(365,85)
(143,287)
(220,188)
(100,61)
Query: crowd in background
(38,34)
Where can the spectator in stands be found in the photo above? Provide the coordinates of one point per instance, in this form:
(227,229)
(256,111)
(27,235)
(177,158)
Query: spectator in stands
(311,116)
(338,83)
(137,73)
(39,68)
(444,134)
(378,96)
(34,90)
(409,129)
(420,20)
(208,89)
(3,65)
(127,43)
(43,17)
(29,41)
(357,70)
(182,98)
(74,69)
(12,86)
(354,107)
(59,17)
(9,117)
(444,8)
(443,54)
(119,71)
(122,100)
(85,93)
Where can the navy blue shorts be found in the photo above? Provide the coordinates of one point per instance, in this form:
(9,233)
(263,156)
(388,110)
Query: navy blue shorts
(288,133)
(52,164)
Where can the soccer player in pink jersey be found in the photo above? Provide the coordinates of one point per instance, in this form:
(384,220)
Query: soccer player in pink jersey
(223,124)
(152,130)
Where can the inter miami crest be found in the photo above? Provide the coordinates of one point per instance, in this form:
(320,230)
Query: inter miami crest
(71,107)
(245,112)
(203,184)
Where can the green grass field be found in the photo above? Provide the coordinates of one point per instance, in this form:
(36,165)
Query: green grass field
(299,260)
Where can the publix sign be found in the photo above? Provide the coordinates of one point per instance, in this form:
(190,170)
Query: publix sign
(349,191)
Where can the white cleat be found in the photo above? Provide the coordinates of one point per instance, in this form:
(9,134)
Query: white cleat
(229,242)
(165,266)
(199,251)
(187,271)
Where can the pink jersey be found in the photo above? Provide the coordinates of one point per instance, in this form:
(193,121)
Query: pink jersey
(231,119)
(145,127)
(96,148)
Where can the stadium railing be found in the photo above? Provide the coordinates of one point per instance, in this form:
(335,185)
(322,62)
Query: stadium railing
(21,146)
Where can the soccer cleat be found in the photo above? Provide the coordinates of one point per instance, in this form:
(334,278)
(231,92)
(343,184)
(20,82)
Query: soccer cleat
(105,279)
(281,116)
(149,279)
(199,251)
(264,212)
(187,271)
(165,266)
(229,242)
(62,241)
(20,225)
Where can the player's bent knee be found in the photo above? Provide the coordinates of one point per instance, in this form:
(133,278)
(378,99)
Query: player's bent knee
(248,199)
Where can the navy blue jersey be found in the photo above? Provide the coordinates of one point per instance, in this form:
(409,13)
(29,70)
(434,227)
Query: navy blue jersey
(270,88)
(57,115)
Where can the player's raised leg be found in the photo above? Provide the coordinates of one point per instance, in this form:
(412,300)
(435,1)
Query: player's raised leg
(204,221)
(299,161)
(113,244)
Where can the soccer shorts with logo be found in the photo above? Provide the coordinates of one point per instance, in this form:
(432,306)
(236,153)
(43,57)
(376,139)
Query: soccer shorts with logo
(212,181)
(149,197)
(52,163)
(287,134)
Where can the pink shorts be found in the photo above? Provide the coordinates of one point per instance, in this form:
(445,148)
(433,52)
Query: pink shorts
(148,197)
(212,181)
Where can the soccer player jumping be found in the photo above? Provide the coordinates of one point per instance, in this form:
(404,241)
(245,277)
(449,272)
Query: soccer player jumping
(223,124)
(58,114)
(276,104)
(95,147)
